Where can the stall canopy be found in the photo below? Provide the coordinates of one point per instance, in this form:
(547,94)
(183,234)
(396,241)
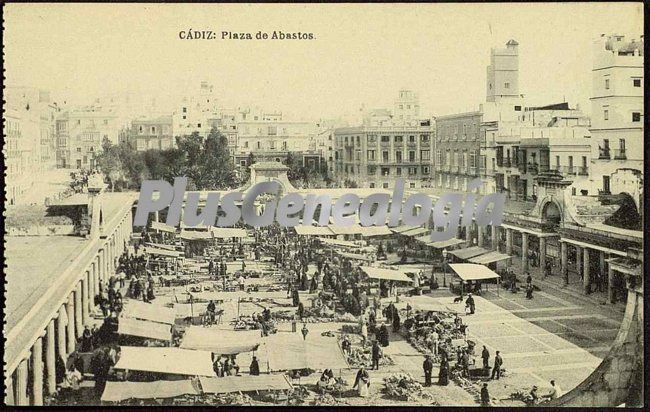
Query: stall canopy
(489,257)
(445,243)
(418,231)
(427,303)
(354,256)
(424,239)
(162,227)
(228,232)
(371,231)
(222,342)
(173,361)
(116,391)
(386,274)
(472,271)
(160,246)
(469,252)
(229,384)
(195,235)
(144,329)
(162,252)
(403,228)
(336,242)
(146,311)
(354,229)
(289,351)
(313,230)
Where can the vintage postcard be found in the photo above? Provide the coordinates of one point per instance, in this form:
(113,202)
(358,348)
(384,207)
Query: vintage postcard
(323,204)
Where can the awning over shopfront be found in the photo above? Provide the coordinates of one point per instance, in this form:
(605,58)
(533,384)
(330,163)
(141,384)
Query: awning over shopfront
(229,384)
(386,274)
(144,329)
(221,342)
(313,230)
(116,391)
(489,257)
(173,361)
(162,227)
(469,252)
(472,271)
(135,309)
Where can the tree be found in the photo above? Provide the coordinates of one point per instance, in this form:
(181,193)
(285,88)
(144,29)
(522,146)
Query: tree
(207,160)
(110,162)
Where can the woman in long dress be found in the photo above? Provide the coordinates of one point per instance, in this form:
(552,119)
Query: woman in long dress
(362,383)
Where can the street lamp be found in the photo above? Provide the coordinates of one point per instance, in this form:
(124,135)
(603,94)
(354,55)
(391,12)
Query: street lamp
(444,273)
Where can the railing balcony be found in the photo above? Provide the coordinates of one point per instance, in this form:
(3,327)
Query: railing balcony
(603,153)
(620,154)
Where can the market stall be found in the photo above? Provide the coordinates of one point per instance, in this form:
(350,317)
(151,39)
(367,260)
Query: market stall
(228,384)
(472,272)
(121,391)
(221,342)
(144,329)
(145,311)
(174,361)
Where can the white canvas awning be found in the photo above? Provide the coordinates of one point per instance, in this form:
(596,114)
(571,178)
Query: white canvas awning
(445,243)
(403,228)
(222,342)
(489,257)
(336,242)
(427,303)
(313,230)
(195,235)
(472,271)
(418,231)
(144,329)
(162,252)
(386,274)
(116,391)
(228,232)
(370,231)
(173,361)
(162,227)
(354,229)
(289,351)
(248,383)
(160,246)
(146,311)
(469,252)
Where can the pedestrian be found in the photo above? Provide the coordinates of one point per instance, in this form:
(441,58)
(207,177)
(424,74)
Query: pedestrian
(465,362)
(443,373)
(383,335)
(485,355)
(86,340)
(434,342)
(255,367)
(556,392)
(529,279)
(304,331)
(529,291)
(485,395)
(496,370)
(427,365)
(396,322)
(364,331)
(301,310)
(241,281)
(470,303)
(376,355)
(362,382)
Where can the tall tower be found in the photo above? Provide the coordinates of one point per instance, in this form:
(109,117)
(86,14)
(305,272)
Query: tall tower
(503,73)
(406,109)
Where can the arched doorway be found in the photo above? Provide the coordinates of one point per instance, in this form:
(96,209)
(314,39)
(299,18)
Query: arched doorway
(551,216)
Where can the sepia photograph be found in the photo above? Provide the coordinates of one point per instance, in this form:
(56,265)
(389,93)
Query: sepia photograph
(323,205)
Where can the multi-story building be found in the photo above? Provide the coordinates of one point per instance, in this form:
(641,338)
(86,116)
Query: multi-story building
(80,134)
(617,117)
(146,134)
(457,149)
(30,148)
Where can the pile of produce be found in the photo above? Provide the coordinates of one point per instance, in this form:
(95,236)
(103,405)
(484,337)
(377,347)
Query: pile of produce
(345,317)
(328,333)
(327,400)
(403,387)
(358,356)
(297,396)
(350,329)
(232,399)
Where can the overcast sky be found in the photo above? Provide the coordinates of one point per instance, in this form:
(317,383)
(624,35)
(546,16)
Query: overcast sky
(360,54)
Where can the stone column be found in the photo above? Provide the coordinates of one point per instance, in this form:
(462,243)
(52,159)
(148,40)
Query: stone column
(586,274)
(468,233)
(79,324)
(495,238)
(579,260)
(509,241)
(50,358)
(60,331)
(92,287)
(542,255)
(72,338)
(9,391)
(37,372)
(481,235)
(21,384)
(564,270)
(85,302)
(610,284)
(156,216)
(601,270)
(524,252)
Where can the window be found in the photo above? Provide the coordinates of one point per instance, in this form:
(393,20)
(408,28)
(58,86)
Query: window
(425,155)
(517,108)
(424,138)
(606,114)
(506,85)
(636,116)
(413,171)
(372,185)
(105,121)
(398,156)
(246,144)
(412,185)
(557,161)
(425,170)
(411,139)
(385,139)
(411,155)
(385,185)
(198,125)
(79,149)
(636,82)
(272,144)
(184,117)
(371,155)
(141,129)
(284,146)
(408,106)
(398,171)
(606,84)
(153,129)
(401,106)
(184,110)
(385,171)
(384,156)
(259,145)
(398,139)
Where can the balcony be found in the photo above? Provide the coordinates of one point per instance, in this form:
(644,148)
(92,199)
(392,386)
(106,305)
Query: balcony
(533,168)
(603,153)
(620,154)
(583,171)
(507,162)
